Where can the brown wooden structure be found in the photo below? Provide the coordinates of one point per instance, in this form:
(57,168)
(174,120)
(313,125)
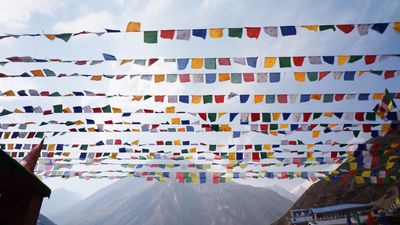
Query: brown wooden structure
(21,193)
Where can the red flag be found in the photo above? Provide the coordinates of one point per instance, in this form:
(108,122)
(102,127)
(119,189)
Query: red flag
(203,116)
(298,60)
(339,97)
(323,74)
(248,77)
(346,28)
(224,61)
(159,98)
(30,160)
(282,99)
(219,98)
(253,32)
(389,74)
(167,34)
(306,116)
(369,59)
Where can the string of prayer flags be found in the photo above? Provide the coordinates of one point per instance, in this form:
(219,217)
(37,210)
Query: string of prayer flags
(251,32)
(211,63)
(217,99)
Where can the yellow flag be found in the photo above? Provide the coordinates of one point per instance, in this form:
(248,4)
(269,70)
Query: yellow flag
(359,180)
(275,116)
(196,99)
(37,73)
(136,142)
(232,155)
(360,73)
(79,122)
(67,110)
(125,61)
(51,147)
(394,145)
(311,27)
(176,120)
(177,142)
(310,146)
(328,114)
(269,62)
(216,32)
(159,78)
(273,133)
(137,97)
(193,150)
(316,96)
(385,127)
(396,26)
(378,96)
(224,76)
(221,114)
(267,147)
(91,129)
(18,111)
(116,110)
(300,76)
(342,59)
(9,93)
(96,77)
(197,63)
(225,127)
(114,155)
(332,125)
(133,27)
(170,109)
(326,178)
(50,36)
(353,166)
(366,173)
(258,98)
(284,126)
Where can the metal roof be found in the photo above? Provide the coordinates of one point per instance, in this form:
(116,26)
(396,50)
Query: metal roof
(338,207)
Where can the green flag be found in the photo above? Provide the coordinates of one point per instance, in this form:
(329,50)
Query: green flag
(354,58)
(327,98)
(236,78)
(57,108)
(64,36)
(207,99)
(210,63)
(150,37)
(312,76)
(235,32)
(327,27)
(284,62)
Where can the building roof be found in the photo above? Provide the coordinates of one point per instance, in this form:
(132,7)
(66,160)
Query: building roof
(339,207)
(14,174)
(301,219)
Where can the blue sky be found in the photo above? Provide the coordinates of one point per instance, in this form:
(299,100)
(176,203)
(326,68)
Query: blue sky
(74,16)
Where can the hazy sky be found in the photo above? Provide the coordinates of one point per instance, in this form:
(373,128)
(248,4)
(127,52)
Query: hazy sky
(49,16)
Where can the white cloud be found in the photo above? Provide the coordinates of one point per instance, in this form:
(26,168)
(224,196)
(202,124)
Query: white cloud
(93,21)
(15,15)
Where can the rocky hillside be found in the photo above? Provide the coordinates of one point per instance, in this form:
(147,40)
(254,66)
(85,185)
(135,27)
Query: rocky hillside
(325,193)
